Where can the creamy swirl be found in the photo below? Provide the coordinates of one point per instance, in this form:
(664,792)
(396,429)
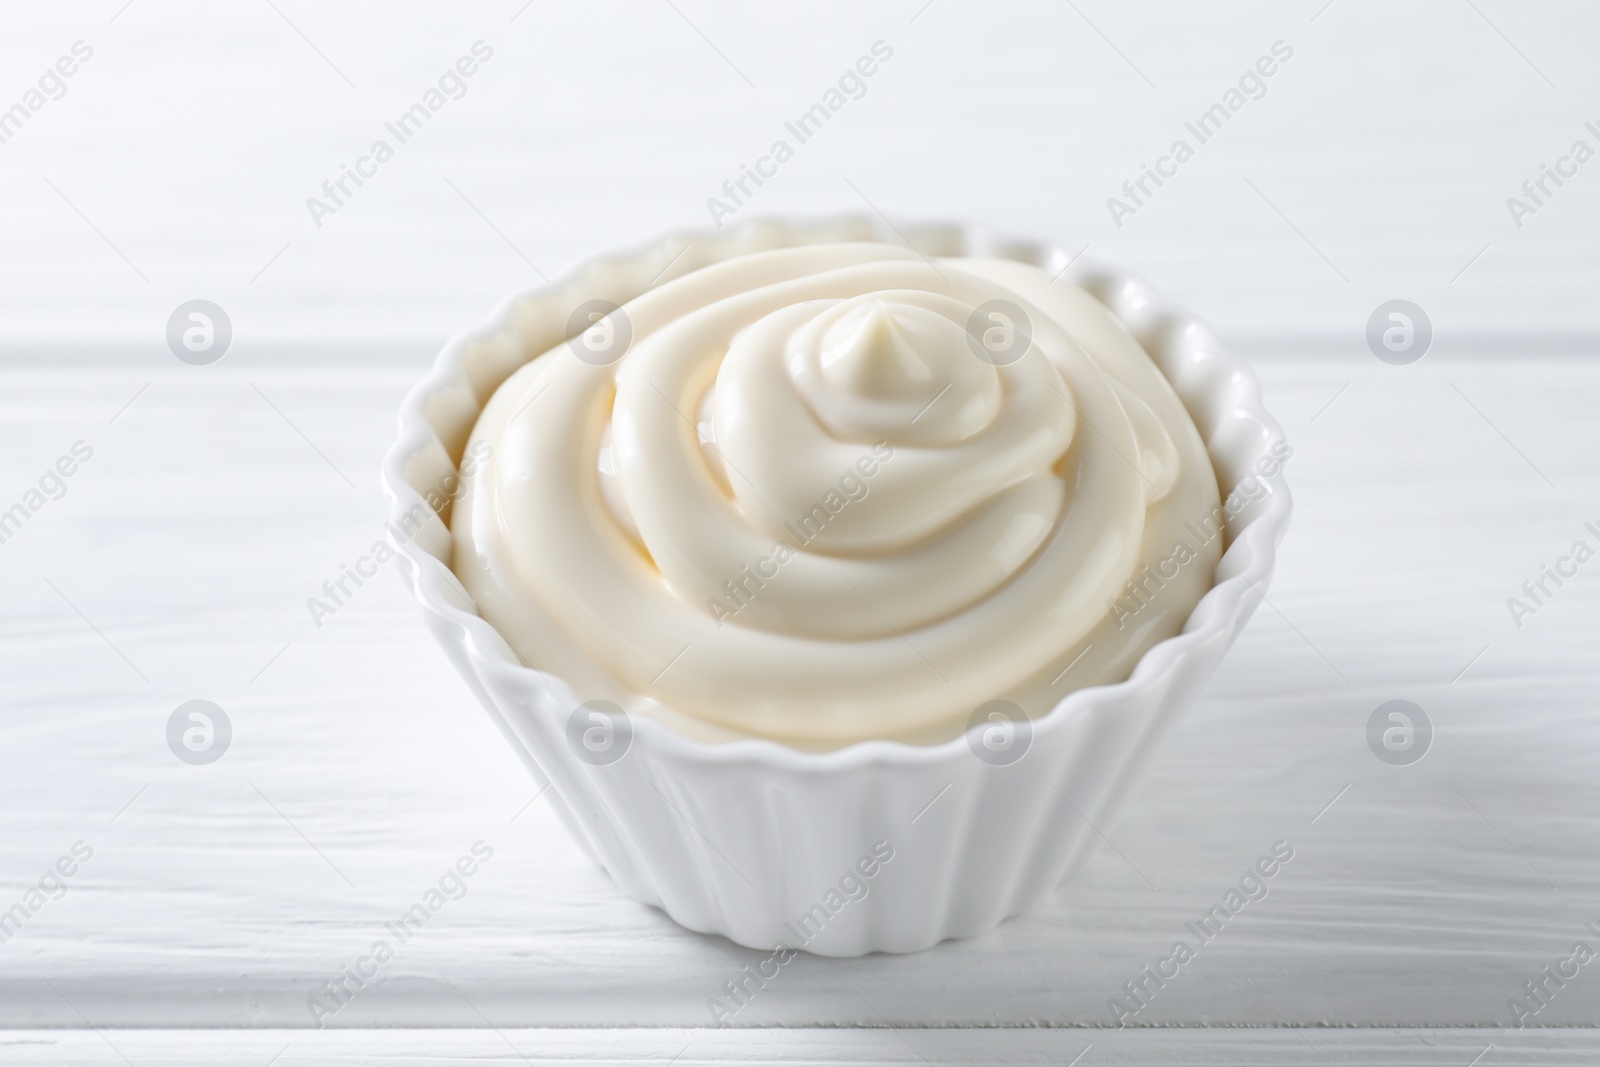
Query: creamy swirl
(836,492)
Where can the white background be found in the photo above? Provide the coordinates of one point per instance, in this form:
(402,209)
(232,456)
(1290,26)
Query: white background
(177,565)
(195,135)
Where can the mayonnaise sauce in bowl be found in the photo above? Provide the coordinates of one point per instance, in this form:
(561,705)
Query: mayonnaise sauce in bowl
(839,492)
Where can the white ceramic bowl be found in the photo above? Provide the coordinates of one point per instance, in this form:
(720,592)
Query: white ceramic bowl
(765,844)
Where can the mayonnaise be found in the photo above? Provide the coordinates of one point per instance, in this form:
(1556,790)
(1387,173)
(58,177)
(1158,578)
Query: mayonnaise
(839,492)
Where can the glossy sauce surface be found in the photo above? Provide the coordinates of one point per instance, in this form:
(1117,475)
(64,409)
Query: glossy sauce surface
(839,492)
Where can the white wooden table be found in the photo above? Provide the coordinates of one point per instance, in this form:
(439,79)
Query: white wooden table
(177,564)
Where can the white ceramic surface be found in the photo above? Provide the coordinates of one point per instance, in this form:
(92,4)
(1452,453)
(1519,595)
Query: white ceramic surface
(748,838)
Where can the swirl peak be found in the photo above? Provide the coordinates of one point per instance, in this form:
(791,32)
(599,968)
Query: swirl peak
(866,352)
(893,366)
